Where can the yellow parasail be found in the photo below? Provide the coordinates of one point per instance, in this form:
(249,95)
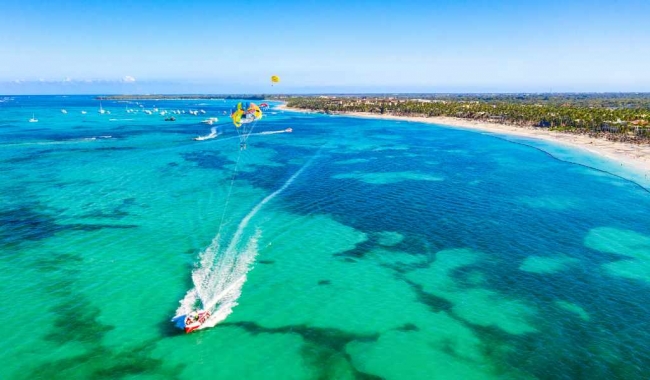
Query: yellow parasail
(275,79)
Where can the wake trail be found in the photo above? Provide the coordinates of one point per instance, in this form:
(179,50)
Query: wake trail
(273,132)
(213,134)
(59,142)
(219,276)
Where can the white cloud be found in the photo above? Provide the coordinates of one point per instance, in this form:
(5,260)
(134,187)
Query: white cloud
(128,79)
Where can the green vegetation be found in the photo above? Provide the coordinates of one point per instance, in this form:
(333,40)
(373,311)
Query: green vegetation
(619,117)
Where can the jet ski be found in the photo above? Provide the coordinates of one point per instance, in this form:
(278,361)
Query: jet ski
(192,321)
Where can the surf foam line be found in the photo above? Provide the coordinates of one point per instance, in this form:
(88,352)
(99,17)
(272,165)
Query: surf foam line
(219,276)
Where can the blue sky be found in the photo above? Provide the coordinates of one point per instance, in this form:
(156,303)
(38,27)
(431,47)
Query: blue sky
(324,46)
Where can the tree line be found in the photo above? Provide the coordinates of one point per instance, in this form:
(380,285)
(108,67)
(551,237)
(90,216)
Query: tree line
(622,118)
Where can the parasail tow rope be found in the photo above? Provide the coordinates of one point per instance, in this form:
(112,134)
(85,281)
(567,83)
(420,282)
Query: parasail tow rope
(232,182)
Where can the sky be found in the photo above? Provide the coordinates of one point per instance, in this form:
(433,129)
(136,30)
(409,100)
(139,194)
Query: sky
(146,46)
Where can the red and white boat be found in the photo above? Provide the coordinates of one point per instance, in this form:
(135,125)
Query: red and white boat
(195,320)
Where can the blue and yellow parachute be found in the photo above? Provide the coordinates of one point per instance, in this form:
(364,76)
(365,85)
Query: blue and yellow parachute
(244,116)
(245,113)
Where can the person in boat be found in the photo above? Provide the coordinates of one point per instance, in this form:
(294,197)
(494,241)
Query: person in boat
(242,146)
(192,317)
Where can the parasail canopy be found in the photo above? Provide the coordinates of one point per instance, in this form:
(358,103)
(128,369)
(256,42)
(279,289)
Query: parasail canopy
(244,116)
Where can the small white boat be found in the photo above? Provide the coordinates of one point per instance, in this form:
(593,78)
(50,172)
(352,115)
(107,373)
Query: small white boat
(64,111)
(83,112)
(210,121)
(33,119)
(101,110)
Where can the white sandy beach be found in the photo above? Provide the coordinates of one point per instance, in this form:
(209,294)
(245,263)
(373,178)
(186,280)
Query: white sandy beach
(632,156)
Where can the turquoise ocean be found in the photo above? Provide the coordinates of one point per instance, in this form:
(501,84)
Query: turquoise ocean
(349,248)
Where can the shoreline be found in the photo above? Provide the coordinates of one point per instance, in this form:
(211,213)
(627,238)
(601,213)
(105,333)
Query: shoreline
(630,156)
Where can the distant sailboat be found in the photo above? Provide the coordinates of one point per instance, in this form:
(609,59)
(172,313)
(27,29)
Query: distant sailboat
(101,110)
(64,111)
(33,119)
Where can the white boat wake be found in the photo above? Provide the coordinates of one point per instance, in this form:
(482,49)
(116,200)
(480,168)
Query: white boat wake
(213,134)
(220,274)
(288,130)
(60,142)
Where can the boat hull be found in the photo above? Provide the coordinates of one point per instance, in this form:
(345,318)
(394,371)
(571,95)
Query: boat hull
(190,325)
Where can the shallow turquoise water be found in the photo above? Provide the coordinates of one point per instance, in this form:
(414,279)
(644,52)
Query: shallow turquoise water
(350,248)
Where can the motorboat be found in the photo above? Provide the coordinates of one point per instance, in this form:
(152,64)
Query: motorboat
(210,121)
(213,134)
(192,321)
